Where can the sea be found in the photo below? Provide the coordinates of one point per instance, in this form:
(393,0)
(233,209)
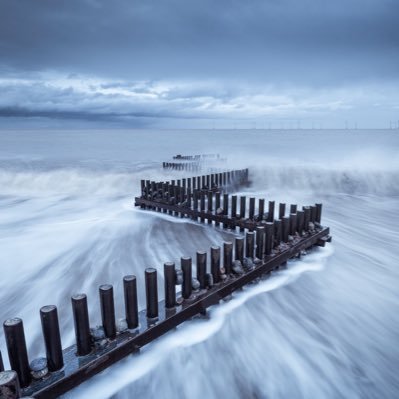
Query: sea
(325,326)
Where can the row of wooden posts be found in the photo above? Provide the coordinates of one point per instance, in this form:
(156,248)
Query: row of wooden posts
(187,185)
(193,163)
(247,254)
(271,238)
(197,157)
(187,166)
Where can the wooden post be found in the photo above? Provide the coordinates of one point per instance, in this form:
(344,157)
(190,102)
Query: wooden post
(210,205)
(201,268)
(131,304)
(249,247)
(227,257)
(233,206)
(186,267)
(306,209)
(277,232)
(312,213)
(217,205)
(52,338)
(251,208)
(281,212)
(293,208)
(300,222)
(242,209)
(270,215)
(261,209)
(225,208)
(81,321)
(215,264)
(151,291)
(293,223)
(260,230)
(202,204)
(169,273)
(269,231)
(16,346)
(195,203)
(239,249)
(285,228)
(9,385)
(318,213)
(108,310)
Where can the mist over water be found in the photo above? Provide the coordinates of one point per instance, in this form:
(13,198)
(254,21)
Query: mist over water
(325,327)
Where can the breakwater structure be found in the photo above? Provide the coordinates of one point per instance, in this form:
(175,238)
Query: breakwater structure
(267,236)
(194,163)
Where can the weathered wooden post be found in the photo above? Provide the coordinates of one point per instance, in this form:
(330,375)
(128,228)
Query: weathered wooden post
(210,204)
(293,223)
(242,206)
(239,249)
(131,303)
(52,338)
(201,268)
(81,322)
(251,208)
(227,257)
(186,267)
(16,347)
(108,310)
(233,206)
(9,385)
(217,205)
(285,228)
(269,231)
(202,205)
(318,213)
(249,244)
(312,213)
(169,272)
(270,215)
(225,208)
(277,232)
(281,212)
(306,209)
(215,264)
(260,230)
(261,211)
(195,204)
(242,209)
(151,291)
(300,221)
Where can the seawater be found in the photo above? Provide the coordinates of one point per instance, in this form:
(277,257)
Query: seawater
(324,327)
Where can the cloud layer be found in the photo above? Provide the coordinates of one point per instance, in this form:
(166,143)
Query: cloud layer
(145,62)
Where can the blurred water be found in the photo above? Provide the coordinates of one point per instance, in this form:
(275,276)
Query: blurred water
(325,327)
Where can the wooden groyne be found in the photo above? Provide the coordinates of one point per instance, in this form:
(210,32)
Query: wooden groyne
(193,163)
(270,237)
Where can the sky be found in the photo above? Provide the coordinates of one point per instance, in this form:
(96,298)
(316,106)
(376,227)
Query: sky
(199,64)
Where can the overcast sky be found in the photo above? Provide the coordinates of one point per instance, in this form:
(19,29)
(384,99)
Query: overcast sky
(202,63)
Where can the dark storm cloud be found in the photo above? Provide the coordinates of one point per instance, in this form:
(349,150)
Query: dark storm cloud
(288,40)
(179,60)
